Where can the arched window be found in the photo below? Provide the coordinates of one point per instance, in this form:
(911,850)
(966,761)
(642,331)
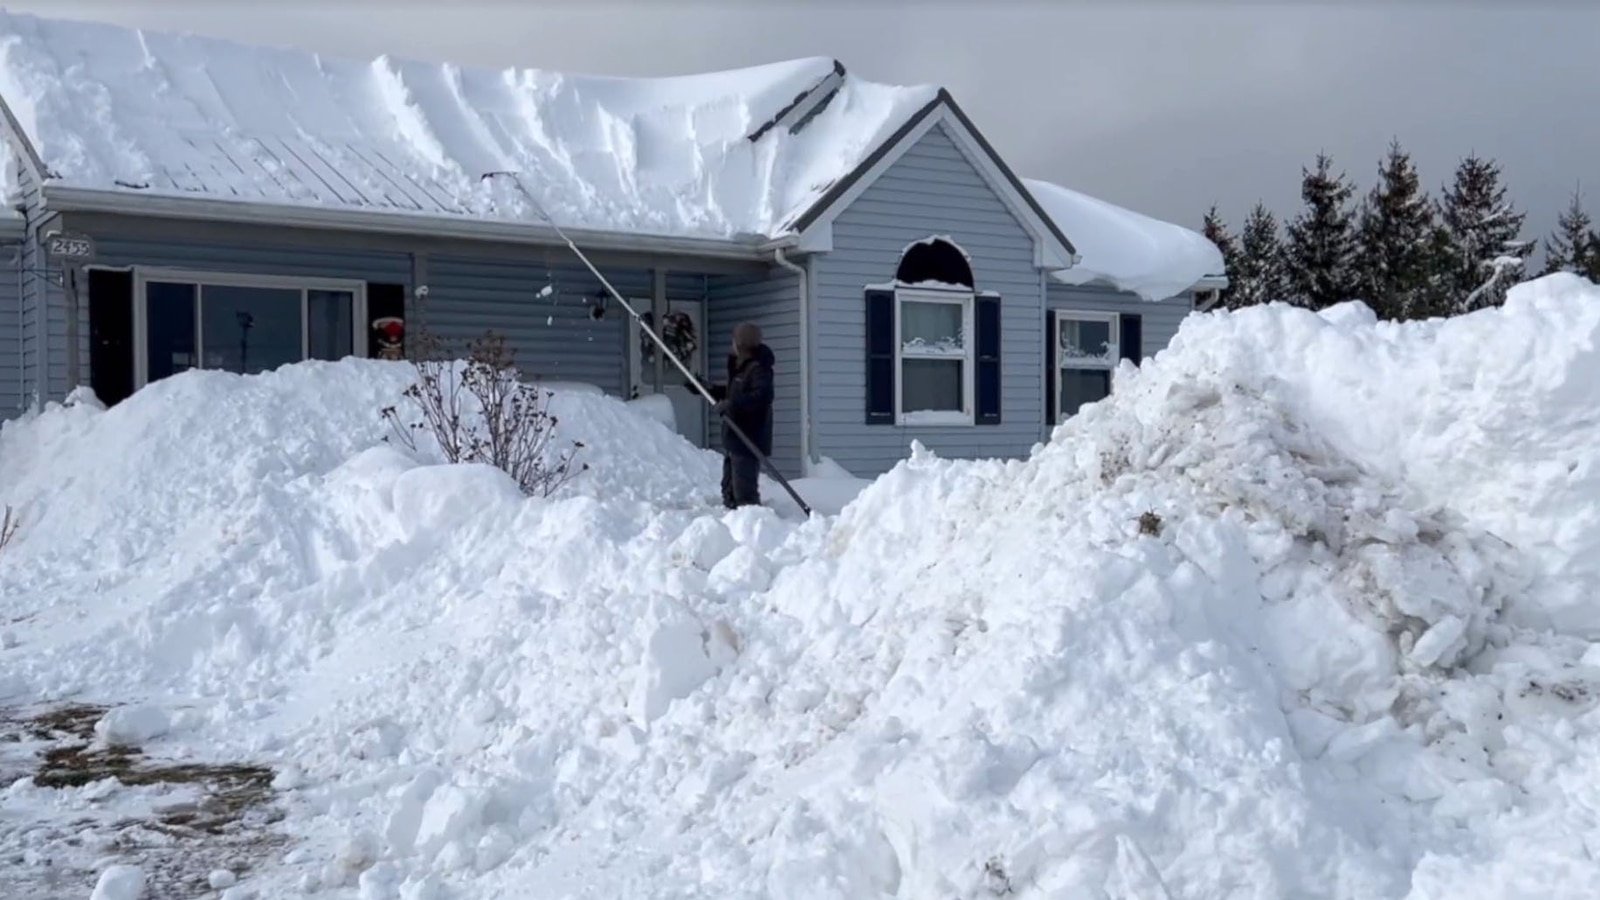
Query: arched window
(933,343)
(935,260)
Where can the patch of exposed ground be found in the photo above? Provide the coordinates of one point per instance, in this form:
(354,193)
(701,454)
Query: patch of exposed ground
(70,806)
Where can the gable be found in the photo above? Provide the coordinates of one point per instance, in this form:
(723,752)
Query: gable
(1052,249)
(934,189)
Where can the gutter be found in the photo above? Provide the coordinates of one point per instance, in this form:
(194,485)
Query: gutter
(805,352)
(63,198)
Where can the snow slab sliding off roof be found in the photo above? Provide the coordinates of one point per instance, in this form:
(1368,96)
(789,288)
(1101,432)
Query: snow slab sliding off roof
(115,108)
(1129,251)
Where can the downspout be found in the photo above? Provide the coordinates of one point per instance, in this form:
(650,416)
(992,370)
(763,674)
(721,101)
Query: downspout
(805,354)
(22,370)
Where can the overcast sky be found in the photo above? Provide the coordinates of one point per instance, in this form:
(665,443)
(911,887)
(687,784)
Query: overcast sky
(1161,107)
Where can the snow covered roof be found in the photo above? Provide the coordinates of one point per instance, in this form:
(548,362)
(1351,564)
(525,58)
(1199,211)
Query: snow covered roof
(718,155)
(112,113)
(1127,250)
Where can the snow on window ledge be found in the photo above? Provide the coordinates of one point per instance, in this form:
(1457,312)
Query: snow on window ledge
(927,417)
(951,348)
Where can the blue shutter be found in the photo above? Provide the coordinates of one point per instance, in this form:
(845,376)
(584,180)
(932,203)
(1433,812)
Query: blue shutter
(880,373)
(987,377)
(1051,406)
(1131,339)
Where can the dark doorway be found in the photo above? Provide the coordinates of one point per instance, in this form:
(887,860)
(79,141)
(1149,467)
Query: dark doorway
(111,334)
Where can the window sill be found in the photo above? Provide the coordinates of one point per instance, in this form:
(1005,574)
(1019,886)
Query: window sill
(934,420)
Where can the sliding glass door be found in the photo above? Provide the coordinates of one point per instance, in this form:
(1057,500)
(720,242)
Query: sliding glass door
(241,324)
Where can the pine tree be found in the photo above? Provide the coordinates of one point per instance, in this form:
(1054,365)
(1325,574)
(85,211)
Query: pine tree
(1320,249)
(1574,247)
(1216,231)
(1260,276)
(1394,254)
(1485,254)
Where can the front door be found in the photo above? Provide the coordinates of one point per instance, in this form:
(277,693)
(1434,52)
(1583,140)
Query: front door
(683,330)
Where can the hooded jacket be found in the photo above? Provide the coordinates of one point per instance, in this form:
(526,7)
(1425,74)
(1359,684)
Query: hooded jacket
(749,401)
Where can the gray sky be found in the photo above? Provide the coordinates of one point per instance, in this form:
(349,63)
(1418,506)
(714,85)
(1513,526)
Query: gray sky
(1161,107)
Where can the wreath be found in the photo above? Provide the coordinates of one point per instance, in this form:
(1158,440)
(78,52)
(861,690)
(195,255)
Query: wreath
(677,332)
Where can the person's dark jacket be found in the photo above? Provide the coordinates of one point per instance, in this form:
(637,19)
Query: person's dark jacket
(747,401)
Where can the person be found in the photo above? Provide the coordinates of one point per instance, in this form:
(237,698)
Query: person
(745,401)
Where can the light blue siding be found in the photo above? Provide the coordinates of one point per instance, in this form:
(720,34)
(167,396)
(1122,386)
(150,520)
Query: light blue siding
(932,190)
(554,335)
(771,301)
(308,260)
(41,304)
(12,394)
(1159,320)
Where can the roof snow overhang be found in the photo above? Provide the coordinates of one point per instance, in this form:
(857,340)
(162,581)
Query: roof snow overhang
(814,227)
(65,198)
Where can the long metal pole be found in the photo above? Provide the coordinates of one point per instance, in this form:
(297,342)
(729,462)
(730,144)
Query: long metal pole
(661,345)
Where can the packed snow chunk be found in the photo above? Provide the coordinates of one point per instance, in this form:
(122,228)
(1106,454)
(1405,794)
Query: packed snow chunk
(1443,638)
(450,814)
(435,499)
(745,569)
(119,883)
(675,660)
(131,726)
(222,878)
(703,544)
(406,817)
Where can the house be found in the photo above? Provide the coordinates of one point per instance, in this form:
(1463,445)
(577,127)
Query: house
(183,201)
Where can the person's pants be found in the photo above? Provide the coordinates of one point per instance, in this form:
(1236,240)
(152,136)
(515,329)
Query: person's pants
(740,481)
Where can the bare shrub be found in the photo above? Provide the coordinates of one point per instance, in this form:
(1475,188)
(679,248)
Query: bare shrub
(478,410)
(9,524)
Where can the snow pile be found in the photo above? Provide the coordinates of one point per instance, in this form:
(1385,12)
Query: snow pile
(1213,640)
(1493,414)
(1124,249)
(121,109)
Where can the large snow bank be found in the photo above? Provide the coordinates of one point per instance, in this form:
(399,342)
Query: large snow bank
(1213,640)
(1495,415)
(121,109)
(1124,249)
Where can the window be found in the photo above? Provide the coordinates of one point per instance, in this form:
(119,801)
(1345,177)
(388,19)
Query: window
(1087,352)
(934,358)
(243,324)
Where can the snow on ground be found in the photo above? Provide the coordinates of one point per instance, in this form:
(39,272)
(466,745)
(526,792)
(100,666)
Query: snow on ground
(1124,249)
(1302,610)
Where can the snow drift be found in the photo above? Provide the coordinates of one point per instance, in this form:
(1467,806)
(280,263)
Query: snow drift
(1124,249)
(1255,626)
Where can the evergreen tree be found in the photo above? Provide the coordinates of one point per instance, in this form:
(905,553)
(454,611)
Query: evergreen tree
(1574,247)
(1395,240)
(1484,254)
(1216,231)
(1320,250)
(1260,276)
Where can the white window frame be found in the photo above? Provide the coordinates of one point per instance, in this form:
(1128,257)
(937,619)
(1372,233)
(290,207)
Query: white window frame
(1063,316)
(143,275)
(969,360)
